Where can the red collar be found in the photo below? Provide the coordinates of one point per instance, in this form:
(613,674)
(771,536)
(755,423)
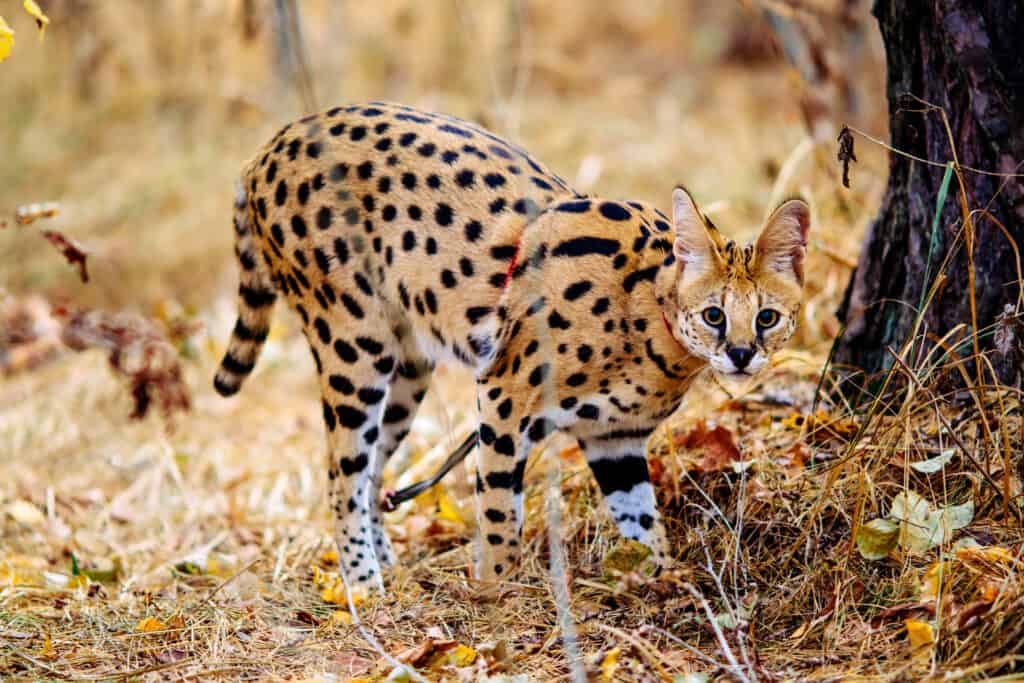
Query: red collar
(664,319)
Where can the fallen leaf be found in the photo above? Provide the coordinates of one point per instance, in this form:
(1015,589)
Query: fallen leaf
(332,588)
(971,614)
(902,611)
(6,39)
(610,664)
(27,214)
(918,527)
(457,656)
(447,508)
(72,252)
(340,618)
(846,153)
(800,631)
(26,513)
(877,538)
(956,517)
(719,446)
(992,553)
(932,465)
(693,438)
(42,21)
(46,650)
(821,426)
(626,556)
(418,654)
(919,633)
(935,577)
(150,624)
(173,655)
(138,349)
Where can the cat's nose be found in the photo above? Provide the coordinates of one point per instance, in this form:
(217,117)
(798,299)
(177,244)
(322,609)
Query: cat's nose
(740,356)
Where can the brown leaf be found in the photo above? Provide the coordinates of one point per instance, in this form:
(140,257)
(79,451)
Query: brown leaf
(720,451)
(173,655)
(719,446)
(70,250)
(418,655)
(901,612)
(695,437)
(970,616)
(846,153)
(138,348)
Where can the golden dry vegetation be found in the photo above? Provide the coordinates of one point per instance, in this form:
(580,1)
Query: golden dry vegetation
(198,545)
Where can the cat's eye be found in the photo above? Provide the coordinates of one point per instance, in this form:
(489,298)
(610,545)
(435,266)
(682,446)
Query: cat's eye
(714,316)
(767,318)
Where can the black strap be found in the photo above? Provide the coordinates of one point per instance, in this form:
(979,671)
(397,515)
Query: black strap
(392,499)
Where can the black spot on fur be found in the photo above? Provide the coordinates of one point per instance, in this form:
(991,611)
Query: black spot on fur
(580,206)
(443,214)
(539,374)
(349,417)
(585,246)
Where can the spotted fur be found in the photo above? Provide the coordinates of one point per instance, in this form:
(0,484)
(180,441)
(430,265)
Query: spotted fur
(404,238)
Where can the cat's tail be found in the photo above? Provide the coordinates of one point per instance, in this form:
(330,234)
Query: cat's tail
(256,296)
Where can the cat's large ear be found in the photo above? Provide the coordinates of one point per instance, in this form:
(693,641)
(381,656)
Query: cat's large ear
(694,247)
(783,242)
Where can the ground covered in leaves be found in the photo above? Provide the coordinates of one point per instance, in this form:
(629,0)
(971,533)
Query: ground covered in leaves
(154,531)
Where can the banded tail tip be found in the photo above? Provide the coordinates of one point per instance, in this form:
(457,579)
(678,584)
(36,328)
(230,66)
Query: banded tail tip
(226,386)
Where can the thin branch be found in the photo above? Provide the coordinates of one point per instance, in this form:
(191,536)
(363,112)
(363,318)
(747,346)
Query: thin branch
(929,162)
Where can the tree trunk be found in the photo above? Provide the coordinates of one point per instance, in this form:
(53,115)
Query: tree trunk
(967,57)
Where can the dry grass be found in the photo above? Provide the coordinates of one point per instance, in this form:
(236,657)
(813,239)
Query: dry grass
(213,525)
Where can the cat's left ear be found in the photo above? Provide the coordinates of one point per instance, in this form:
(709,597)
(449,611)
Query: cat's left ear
(783,242)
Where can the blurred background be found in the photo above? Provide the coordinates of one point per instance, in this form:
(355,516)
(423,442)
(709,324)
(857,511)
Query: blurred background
(136,116)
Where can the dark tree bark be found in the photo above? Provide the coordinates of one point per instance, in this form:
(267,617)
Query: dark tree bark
(967,57)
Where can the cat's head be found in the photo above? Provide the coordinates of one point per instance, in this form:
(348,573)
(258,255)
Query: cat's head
(736,305)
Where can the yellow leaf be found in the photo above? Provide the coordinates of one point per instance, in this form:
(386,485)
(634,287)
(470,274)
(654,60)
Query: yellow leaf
(610,663)
(991,590)
(438,499)
(458,656)
(920,633)
(340,618)
(6,39)
(150,624)
(992,553)
(930,581)
(41,19)
(46,650)
(448,509)
(329,557)
(332,588)
(875,539)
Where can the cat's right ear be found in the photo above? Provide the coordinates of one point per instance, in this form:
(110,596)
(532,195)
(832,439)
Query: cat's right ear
(694,247)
